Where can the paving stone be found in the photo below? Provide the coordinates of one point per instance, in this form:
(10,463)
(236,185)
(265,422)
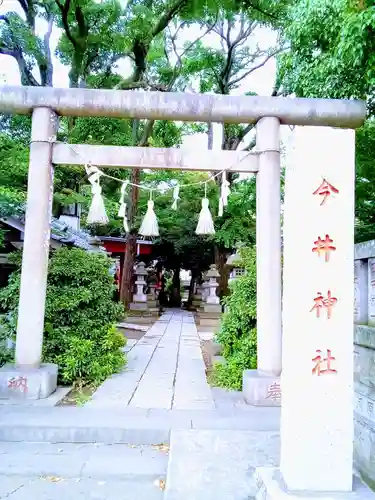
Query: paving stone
(10,484)
(126,462)
(37,465)
(217,465)
(262,421)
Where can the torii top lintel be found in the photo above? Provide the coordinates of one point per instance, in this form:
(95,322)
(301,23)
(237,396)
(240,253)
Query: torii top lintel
(183,106)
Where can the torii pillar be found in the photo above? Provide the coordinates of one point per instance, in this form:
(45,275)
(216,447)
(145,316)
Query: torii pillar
(261,387)
(29,378)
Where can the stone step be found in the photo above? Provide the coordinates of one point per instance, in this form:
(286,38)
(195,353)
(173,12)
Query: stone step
(133,426)
(211,322)
(217,464)
(56,488)
(142,320)
(208,315)
(89,460)
(132,326)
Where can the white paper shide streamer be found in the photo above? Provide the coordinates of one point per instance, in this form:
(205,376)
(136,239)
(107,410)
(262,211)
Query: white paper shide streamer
(149,226)
(205,223)
(176,197)
(122,210)
(97,213)
(225,192)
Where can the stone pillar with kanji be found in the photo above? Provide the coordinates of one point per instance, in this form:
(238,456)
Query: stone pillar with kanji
(317,351)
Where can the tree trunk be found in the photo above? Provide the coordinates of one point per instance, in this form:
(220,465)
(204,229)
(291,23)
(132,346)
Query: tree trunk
(193,281)
(175,298)
(127,271)
(220,260)
(131,244)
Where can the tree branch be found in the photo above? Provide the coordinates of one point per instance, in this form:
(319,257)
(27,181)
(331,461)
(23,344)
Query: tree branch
(64,9)
(250,5)
(82,26)
(48,72)
(147,131)
(251,145)
(244,132)
(26,75)
(5,19)
(23,4)
(168,16)
(177,68)
(257,66)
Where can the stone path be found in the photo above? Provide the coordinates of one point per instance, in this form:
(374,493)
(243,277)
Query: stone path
(165,370)
(47,471)
(156,425)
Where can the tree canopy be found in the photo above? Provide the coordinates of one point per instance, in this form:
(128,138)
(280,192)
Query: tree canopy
(331,55)
(323,49)
(163,45)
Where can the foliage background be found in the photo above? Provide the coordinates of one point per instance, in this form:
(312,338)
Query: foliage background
(237,333)
(79,332)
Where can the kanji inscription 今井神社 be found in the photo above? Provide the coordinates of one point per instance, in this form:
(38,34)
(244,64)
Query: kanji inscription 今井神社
(321,302)
(325,189)
(323,365)
(324,247)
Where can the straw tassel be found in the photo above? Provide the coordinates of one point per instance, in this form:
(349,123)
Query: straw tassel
(97,213)
(176,192)
(225,192)
(221,207)
(205,223)
(123,207)
(149,226)
(125,216)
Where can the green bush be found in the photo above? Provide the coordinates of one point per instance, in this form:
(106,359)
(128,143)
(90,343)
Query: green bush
(79,332)
(237,334)
(6,354)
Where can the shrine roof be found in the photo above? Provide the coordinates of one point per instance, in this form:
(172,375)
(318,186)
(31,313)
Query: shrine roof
(61,232)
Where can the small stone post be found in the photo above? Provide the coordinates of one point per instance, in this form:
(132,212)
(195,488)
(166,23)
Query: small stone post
(152,302)
(30,379)
(362,283)
(262,386)
(152,280)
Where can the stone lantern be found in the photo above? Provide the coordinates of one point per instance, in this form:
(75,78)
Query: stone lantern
(234,264)
(140,298)
(210,311)
(212,284)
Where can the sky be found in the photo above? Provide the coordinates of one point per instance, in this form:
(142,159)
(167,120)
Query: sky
(261,81)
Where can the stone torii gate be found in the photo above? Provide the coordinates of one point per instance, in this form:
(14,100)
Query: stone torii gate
(306,300)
